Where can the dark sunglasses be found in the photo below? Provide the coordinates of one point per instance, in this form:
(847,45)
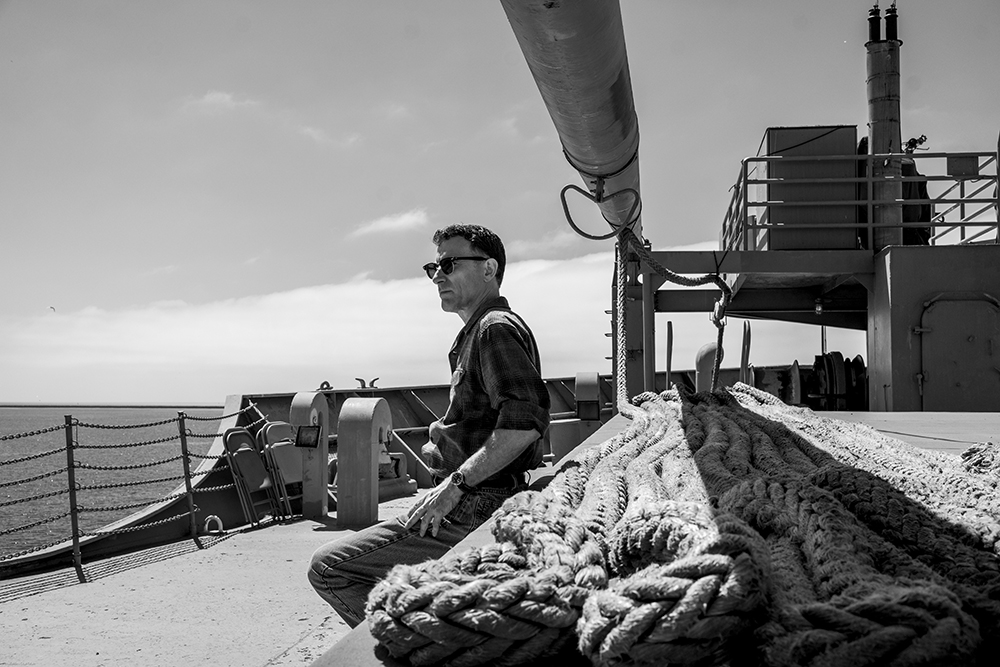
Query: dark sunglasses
(447,265)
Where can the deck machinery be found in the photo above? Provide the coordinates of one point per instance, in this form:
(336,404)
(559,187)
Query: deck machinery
(816,227)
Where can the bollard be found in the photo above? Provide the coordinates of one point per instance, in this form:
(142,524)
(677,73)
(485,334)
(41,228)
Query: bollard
(704,364)
(365,426)
(309,417)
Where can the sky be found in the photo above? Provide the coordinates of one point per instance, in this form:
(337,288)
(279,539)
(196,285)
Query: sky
(202,198)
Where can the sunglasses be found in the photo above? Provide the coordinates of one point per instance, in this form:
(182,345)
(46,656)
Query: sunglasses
(447,265)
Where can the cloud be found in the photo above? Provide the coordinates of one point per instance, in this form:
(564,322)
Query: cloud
(174,351)
(316,134)
(321,137)
(560,240)
(399,222)
(320,333)
(216,103)
(512,127)
(394,111)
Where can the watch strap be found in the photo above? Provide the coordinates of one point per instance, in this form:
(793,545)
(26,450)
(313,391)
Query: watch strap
(458,479)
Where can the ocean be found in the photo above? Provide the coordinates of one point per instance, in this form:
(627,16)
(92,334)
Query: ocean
(103,503)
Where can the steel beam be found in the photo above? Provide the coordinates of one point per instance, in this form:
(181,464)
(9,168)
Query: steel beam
(820,262)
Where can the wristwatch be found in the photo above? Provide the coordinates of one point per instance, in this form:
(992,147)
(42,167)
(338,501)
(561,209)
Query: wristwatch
(458,479)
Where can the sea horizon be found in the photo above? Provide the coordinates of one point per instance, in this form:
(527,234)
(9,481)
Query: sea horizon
(85,404)
(33,429)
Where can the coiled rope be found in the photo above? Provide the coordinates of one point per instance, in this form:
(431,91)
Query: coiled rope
(720,527)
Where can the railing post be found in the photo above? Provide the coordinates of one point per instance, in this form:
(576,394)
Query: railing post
(870,188)
(743,212)
(73,509)
(189,491)
(670,351)
(648,333)
(961,208)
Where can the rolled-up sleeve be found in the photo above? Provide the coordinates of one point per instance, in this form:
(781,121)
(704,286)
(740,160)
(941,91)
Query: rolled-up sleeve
(512,379)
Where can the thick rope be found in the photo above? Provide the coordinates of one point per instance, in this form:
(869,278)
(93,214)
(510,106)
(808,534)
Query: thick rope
(621,356)
(725,292)
(626,237)
(720,527)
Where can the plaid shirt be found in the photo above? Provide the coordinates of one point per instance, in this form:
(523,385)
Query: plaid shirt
(496,383)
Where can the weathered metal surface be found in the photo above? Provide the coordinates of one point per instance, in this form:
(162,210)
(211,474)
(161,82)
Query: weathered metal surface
(884,137)
(310,409)
(960,353)
(364,428)
(576,54)
(907,279)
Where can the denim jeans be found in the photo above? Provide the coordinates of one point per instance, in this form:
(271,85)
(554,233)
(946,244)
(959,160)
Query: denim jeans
(344,571)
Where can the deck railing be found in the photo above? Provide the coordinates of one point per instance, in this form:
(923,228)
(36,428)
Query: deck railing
(36,495)
(962,193)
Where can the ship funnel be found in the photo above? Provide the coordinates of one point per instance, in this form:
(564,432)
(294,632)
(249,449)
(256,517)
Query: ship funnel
(874,24)
(890,23)
(576,54)
(883,127)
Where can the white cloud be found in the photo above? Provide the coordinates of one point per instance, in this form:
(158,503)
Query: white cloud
(316,134)
(215,103)
(293,340)
(511,127)
(412,219)
(554,242)
(394,111)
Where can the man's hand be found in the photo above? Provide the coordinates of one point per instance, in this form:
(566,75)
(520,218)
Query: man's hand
(431,510)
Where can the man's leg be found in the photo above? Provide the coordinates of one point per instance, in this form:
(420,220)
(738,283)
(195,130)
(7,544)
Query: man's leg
(344,571)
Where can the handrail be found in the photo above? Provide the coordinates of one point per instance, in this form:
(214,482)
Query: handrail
(73,486)
(954,211)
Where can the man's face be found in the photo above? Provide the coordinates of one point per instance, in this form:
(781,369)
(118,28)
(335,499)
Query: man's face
(465,286)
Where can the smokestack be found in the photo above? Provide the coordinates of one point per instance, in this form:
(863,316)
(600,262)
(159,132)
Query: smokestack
(874,24)
(883,128)
(890,23)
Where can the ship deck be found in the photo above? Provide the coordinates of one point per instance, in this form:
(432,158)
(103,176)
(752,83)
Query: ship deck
(244,600)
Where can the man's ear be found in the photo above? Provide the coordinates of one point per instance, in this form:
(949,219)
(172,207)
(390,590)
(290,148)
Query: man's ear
(490,268)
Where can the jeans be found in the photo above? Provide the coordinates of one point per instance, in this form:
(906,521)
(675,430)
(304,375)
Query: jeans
(344,571)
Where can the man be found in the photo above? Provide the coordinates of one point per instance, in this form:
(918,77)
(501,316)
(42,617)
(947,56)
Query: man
(483,447)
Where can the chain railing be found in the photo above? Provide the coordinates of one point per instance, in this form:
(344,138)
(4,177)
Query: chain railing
(102,475)
(947,199)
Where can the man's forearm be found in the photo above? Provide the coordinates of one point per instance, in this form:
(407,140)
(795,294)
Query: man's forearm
(499,450)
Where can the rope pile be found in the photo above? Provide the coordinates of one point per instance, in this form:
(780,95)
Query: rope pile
(720,528)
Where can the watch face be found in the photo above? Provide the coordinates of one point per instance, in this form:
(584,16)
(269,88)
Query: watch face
(457,478)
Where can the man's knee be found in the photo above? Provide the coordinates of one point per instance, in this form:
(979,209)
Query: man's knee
(323,564)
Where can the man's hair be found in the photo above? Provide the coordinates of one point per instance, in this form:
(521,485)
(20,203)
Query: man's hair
(481,239)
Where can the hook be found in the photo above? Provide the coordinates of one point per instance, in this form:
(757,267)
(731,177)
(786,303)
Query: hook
(597,199)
